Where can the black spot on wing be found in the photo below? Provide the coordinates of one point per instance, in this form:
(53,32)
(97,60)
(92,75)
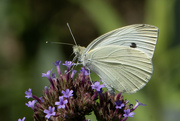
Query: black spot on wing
(133,45)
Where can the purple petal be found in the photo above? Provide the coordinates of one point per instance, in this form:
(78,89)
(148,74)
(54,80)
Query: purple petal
(131,114)
(47,74)
(68,93)
(22,119)
(84,71)
(137,104)
(50,112)
(57,63)
(31,104)
(97,86)
(125,115)
(28,93)
(128,113)
(68,64)
(119,104)
(61,103)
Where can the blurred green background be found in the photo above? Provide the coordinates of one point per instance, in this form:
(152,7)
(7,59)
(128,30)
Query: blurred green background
(25,26)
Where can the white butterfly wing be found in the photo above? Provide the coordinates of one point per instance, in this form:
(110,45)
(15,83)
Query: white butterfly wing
(140,36)
(122,68)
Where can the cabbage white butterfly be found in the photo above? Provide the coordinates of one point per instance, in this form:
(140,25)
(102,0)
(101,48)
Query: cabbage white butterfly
(122,58)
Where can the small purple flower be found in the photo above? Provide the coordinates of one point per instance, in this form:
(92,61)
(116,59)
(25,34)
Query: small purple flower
(28,93)
(50,112)
(97,86)
(48,74)
(57,64)
(31,104)
(137,104)
(128,113)
(73,73)
(22,119)
(84,71)
(68,93)
(61,103)
(119,104)
(68,64)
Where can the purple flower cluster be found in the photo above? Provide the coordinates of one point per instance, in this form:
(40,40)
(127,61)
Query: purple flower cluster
(70,98)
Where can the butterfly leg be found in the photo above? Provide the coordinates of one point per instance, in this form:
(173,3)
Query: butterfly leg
(90,76)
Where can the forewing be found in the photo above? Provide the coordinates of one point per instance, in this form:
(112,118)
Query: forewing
(140,36)
(122,68)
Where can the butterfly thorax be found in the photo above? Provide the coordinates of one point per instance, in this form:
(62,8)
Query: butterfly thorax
(79,52)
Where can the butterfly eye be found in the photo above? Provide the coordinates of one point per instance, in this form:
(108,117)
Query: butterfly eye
(133,45)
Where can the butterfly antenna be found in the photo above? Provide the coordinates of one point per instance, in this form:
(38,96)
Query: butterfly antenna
(71,33)
(61,43)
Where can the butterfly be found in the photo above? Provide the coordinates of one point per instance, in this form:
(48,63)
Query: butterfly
(122,58)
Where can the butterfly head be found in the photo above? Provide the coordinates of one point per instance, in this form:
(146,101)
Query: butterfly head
(78,51)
